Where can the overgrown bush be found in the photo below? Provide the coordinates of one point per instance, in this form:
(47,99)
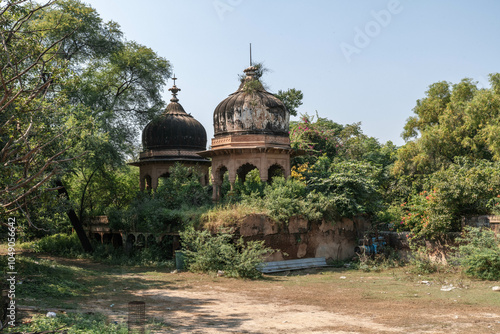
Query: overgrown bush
(57,244)
(377,262)
(350,186)
(479,253)
(465,188)
(72,323)
(209,253)
(179,199)
(157,254)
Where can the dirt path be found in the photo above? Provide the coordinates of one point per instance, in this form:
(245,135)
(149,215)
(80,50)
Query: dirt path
(218,311)
(234,306)
(315,301)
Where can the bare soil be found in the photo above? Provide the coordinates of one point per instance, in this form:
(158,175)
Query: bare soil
(313,301)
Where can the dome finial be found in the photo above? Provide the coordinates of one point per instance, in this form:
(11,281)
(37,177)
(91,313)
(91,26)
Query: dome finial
(174,91)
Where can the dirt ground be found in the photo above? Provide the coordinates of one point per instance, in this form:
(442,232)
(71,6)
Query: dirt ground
(314,301)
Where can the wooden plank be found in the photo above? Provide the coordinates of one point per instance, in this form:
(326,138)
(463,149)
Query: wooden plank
(277,266)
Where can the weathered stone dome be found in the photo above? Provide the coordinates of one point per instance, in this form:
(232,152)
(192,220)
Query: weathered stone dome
(174,130)
(251,110)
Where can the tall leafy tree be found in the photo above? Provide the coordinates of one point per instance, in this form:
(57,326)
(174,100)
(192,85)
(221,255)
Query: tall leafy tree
(75,94)
(292,98)
(451,121)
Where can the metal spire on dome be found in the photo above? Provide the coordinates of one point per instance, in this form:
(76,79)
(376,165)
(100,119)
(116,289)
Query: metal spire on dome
(174,91)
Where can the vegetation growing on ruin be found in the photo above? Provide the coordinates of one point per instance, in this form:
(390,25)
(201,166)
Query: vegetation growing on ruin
(86,93)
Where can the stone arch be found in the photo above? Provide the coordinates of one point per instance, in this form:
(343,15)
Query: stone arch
(217,180)
(106,238)
(97,237)
(146,181)
(244,169)
(151,240)
(275,170)
(130,240)
(219,174)
(162,178)
(141,240)
(117,240)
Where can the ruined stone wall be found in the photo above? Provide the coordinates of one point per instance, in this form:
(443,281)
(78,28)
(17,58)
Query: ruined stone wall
(301,238)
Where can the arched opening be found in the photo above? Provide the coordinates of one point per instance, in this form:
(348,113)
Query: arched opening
(244,170)
(219,176)
(151,240)
(106,238)
(97,237)
(141,240)
(275,171)
(130,241)
(147,182)
(163,178)
(117,240)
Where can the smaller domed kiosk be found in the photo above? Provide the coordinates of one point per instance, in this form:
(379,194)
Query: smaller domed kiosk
(174,136)
(250,131)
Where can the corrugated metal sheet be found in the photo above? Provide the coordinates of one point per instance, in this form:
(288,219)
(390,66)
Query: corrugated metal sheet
(277,266)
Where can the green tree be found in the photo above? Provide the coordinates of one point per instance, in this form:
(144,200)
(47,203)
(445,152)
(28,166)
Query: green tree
(74,88)
(450,122)
(120,83)
(37,124)
(292,98)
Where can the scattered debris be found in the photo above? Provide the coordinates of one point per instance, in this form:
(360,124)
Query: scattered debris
(425,282)
(111,305)
(496,288)
(342,277)
(448,287)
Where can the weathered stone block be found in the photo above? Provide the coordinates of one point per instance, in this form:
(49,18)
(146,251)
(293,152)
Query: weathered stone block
(302,251)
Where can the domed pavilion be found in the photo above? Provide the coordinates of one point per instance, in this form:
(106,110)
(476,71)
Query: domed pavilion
(250,131)
(174,136)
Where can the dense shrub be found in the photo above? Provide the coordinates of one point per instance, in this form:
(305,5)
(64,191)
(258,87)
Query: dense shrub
(209,253)
(72,323)
(179,199)
(465,188)
(158,254)
(350,186)
(479,253)
(57,244)
(182,188)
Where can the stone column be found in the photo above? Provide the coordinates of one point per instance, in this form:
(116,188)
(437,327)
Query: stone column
(232,177)
(141,183)
(215,191)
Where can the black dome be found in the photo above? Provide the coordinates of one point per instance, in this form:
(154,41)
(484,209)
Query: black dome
(174,129)
(251,110)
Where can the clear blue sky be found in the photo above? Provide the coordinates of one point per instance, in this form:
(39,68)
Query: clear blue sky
(316,46)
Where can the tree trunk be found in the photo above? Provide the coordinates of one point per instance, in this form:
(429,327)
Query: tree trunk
(77,224)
